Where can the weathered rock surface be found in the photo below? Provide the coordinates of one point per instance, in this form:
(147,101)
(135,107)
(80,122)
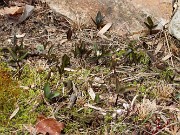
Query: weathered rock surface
(127,16)
(174,25)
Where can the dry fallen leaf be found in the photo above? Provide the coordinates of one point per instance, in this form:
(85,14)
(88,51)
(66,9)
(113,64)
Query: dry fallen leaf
(48,126)
(30,129)
(175,50)
(72,100)
(178,116)
(158,48)
(20,36)
(11,11)
(63,41)
(91,93)
(167,57)
(103,30)
(161,65)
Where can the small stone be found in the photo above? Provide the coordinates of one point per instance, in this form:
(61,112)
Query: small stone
(98,80)
(119,111)
(126,106)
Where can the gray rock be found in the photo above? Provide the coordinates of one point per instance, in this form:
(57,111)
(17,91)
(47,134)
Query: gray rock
(127,16)
(174,25)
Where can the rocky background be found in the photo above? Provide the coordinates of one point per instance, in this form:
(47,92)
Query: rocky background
(127,16)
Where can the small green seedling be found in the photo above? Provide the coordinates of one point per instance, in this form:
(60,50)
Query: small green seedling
(81,50)
(65,63)
(18,52)
(134,56)
(150,24)
(59,67)
(69,34)
(98,20)
(48,93)
(100,52)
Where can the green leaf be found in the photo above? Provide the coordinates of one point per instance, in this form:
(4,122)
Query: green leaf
(22,57)
(155,26)
(77,51)
(93,20)
(40,48)
(148,26)
(150,22)
(50,50)
(99,18)
(47,90)
(14,56)
(65,61)
(178,96)
(69,85)
(54,94)
(97,98)
(69,34)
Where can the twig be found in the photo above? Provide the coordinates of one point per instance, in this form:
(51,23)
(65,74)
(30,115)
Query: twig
(138,76)
(19,70)
(96,108)
(168,48)
(133,101)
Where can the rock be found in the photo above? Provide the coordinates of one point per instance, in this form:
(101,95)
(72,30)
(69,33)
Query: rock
(174,25)
(98,80)
(127,16)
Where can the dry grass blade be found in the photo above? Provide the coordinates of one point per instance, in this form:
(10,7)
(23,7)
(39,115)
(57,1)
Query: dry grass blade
(91,93)
(94,107)
(104,29)
(167,57)
(14,113)
(167,42)
(11,11)
(158,48)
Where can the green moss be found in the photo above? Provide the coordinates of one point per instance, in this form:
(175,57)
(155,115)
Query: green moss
(29,101)
(30,76)
(9,94)
(167,75)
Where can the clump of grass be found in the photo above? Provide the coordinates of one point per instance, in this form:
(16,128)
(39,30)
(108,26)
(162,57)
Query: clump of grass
(145,108)
(163,91)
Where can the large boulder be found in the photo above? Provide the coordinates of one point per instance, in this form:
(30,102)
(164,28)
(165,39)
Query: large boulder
(174,25)
(127,16)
